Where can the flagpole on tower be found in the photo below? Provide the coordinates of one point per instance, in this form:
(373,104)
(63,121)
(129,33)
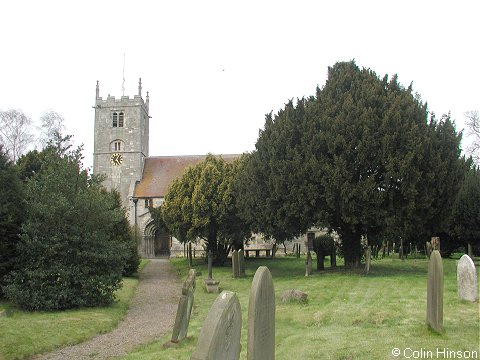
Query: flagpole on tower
(123,83)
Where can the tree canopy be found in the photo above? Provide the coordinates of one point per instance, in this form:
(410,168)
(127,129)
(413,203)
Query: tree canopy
(361,157)
(201,205)
(71,251)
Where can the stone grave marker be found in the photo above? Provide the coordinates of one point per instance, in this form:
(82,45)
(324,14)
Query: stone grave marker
(241,262)
(308,264)
(211,285)
(261,317)
(235,264)
(220,334)
(435,292)
(368,259)
(428,249)
(467,285)
(435,241)
(184,309)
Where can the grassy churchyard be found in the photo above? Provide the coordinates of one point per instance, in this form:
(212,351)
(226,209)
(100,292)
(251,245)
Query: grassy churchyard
(348,315)
(24,333)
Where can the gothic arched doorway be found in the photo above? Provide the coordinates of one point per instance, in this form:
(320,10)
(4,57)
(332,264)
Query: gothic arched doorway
(156,243)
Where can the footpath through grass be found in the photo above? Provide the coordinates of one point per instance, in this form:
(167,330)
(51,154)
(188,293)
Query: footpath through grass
(23,334)
(348,315)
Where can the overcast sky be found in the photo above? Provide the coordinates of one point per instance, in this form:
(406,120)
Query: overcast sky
(215,68)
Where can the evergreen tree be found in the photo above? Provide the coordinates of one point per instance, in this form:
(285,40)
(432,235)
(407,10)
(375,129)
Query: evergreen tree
(201,205)
(360,158)
(12,211)
(68,255)
(466,213)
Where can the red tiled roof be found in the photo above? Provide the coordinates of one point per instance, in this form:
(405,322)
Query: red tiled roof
(160,171)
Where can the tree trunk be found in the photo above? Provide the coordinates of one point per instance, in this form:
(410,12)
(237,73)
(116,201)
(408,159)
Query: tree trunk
(320,258)
(352,248)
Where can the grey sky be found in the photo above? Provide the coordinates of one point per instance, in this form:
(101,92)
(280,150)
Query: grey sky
(215,68)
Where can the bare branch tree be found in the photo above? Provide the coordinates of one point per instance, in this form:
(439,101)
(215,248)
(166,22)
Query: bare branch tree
(51,123)
(473,123)
(15,133)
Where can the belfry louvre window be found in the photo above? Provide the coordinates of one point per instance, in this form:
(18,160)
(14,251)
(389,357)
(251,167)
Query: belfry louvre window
(117,119)
(117,145)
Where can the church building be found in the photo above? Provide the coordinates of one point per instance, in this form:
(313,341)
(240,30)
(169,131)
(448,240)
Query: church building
(121,153)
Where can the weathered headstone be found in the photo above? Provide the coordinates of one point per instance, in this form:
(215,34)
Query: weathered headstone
(241,262)
(261,317)
(220,334)
(435,292)
(184,310)
(293,295)
(428,249)
(368,259)
(235,264)
(467,285)
(308,264)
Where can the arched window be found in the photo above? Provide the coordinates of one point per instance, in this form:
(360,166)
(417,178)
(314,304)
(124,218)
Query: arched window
(120,119)
(115,119)
(117,145)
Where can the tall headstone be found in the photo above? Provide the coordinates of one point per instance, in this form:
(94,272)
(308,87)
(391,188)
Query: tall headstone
(428,249)
(220,334)
(235,264)
(261,317)
(308,264)
(467,285)
(435,292)
(241,262)
(184,310)
(435,241)
(368,259)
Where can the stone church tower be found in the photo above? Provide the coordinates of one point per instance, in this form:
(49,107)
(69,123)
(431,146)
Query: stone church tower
(121,141)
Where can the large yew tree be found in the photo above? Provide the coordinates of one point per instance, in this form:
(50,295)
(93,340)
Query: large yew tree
(361,157)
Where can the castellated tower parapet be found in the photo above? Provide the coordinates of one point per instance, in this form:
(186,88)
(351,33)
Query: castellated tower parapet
(121,141)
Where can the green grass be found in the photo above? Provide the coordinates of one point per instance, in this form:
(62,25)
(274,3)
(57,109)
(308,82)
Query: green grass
(23,333)
(348,315)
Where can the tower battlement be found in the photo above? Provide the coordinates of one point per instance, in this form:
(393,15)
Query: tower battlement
(124,100)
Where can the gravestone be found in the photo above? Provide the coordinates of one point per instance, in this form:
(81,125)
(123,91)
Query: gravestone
(261,317)
(435,292)
(308,264)
(241,262)
(368,259)
(293,295)
(235,264)
(435,241)
(467,286)
(211,285)
(220,334)
(184,309)
(428,249)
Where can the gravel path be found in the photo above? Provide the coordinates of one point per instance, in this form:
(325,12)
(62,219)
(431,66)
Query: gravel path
(151,314)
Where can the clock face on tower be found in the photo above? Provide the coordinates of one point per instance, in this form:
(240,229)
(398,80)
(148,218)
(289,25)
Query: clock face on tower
(116,159)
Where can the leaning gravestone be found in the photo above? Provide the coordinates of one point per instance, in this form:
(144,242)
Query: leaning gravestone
(184,310)
(220,334)
(428,249)
(435,292)
(467,279)
(261,317)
